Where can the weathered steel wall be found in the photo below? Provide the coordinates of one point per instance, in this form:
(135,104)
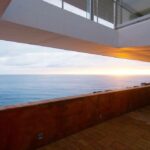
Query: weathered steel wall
(27,127)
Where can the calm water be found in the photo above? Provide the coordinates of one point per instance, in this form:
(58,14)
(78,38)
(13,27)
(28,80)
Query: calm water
(26,88)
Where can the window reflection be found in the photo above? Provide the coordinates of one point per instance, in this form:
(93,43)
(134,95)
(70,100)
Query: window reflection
(74,9)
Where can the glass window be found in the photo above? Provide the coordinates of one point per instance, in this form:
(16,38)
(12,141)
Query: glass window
(57,3)
(78,7)
(132,9)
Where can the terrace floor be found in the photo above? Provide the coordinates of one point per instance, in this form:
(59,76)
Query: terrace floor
(127,132)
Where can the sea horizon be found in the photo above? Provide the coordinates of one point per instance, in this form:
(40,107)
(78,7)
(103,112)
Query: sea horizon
(22,88)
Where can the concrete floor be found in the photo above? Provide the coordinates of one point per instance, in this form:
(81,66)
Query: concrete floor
(128,132)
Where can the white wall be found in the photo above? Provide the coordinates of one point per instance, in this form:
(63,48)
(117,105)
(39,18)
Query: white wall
(135,35)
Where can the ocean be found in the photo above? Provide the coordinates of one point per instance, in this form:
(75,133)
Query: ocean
(16,89)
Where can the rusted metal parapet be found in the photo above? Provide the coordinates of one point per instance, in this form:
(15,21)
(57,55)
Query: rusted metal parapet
(26,127)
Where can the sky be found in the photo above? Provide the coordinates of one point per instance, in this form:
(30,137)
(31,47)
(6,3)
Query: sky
(17,58)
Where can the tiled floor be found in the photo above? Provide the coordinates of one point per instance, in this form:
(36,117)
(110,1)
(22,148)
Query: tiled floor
(128,132)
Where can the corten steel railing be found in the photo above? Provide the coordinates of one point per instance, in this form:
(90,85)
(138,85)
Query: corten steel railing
(30,126)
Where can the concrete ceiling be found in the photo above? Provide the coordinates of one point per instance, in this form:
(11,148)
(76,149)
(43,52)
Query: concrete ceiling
(24,34)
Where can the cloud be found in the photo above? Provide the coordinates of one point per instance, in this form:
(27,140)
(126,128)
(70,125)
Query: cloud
(17,56)
(45,59)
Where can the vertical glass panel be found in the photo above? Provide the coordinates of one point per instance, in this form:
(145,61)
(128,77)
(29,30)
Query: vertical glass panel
(95,10)
(57,3)
(78,7)
(123,14)
(100,11)
(105,10)
(132,9)
(88,9)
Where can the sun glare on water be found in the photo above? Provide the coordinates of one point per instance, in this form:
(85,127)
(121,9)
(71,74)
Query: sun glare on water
(111,72)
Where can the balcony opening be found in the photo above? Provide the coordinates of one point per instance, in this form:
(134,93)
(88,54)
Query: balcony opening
(30,73)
